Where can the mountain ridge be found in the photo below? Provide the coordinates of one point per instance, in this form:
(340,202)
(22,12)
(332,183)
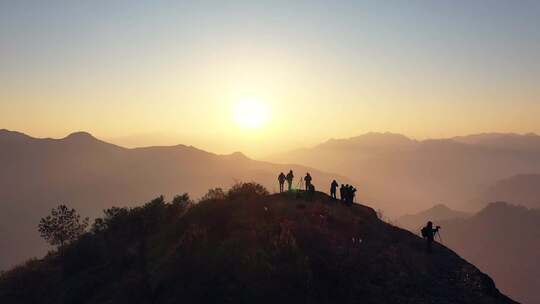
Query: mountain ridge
(91,175)
(523,189)
(438,212)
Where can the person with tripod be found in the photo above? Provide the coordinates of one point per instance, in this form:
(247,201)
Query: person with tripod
(290,177)
(428,233)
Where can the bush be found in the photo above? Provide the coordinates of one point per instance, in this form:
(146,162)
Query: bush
(179,205)
(214,194)
(250,189)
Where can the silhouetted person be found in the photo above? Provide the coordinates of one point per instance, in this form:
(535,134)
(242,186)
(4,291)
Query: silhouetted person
(342,193)
(428,233)
(281,179)
(333,188)
(352,194)
(307,179)
(290,177)
(346,194)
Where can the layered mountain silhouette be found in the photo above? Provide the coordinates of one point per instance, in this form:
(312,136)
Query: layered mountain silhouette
(505,141)
(249,247)
(90,175)
(417,173)
(502,239)
(440,212)
(522,189)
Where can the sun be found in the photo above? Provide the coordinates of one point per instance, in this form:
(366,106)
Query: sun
(251,113)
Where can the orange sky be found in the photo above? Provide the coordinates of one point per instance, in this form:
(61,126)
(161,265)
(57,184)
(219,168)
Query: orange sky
(146,74)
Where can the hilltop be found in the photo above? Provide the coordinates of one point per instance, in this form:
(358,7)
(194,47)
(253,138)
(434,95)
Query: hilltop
(248,247)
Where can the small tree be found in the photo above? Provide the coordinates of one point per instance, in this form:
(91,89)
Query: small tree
(214,194)
(63,226)
(180,204)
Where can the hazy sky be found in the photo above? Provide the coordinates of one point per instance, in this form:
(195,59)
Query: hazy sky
(165,72)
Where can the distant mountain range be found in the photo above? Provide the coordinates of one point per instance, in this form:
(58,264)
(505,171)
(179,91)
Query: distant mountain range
(506,141)
(405,175)
(522,189)
(501,239)
(440,212)
(90,175)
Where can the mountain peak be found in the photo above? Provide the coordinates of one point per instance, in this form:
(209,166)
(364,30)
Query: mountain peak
(383,137)
(500,210)
(440,207)
(371,139)
(13,135)
(235,156)
(81,138)
(501,207)
(81,135)
(238,155)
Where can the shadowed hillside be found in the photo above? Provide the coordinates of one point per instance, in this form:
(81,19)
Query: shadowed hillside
(90,175)
(248,248)
(502,240)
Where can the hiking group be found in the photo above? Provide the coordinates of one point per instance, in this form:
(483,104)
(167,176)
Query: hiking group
(346,192)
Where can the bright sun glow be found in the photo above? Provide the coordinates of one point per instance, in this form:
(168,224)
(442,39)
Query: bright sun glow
(251,113)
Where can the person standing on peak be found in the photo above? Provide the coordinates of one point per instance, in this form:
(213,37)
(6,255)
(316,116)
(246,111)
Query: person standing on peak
(307,179)
(290,177)
(342,193)
(352,194)
(333,188)
(281,180)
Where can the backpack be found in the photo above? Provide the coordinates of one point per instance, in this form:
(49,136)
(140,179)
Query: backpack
(424,232)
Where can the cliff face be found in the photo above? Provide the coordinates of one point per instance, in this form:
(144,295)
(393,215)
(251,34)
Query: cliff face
(249,249)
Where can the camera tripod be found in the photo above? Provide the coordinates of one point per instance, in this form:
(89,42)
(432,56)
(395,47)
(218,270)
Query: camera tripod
(300,184)
(439,234)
